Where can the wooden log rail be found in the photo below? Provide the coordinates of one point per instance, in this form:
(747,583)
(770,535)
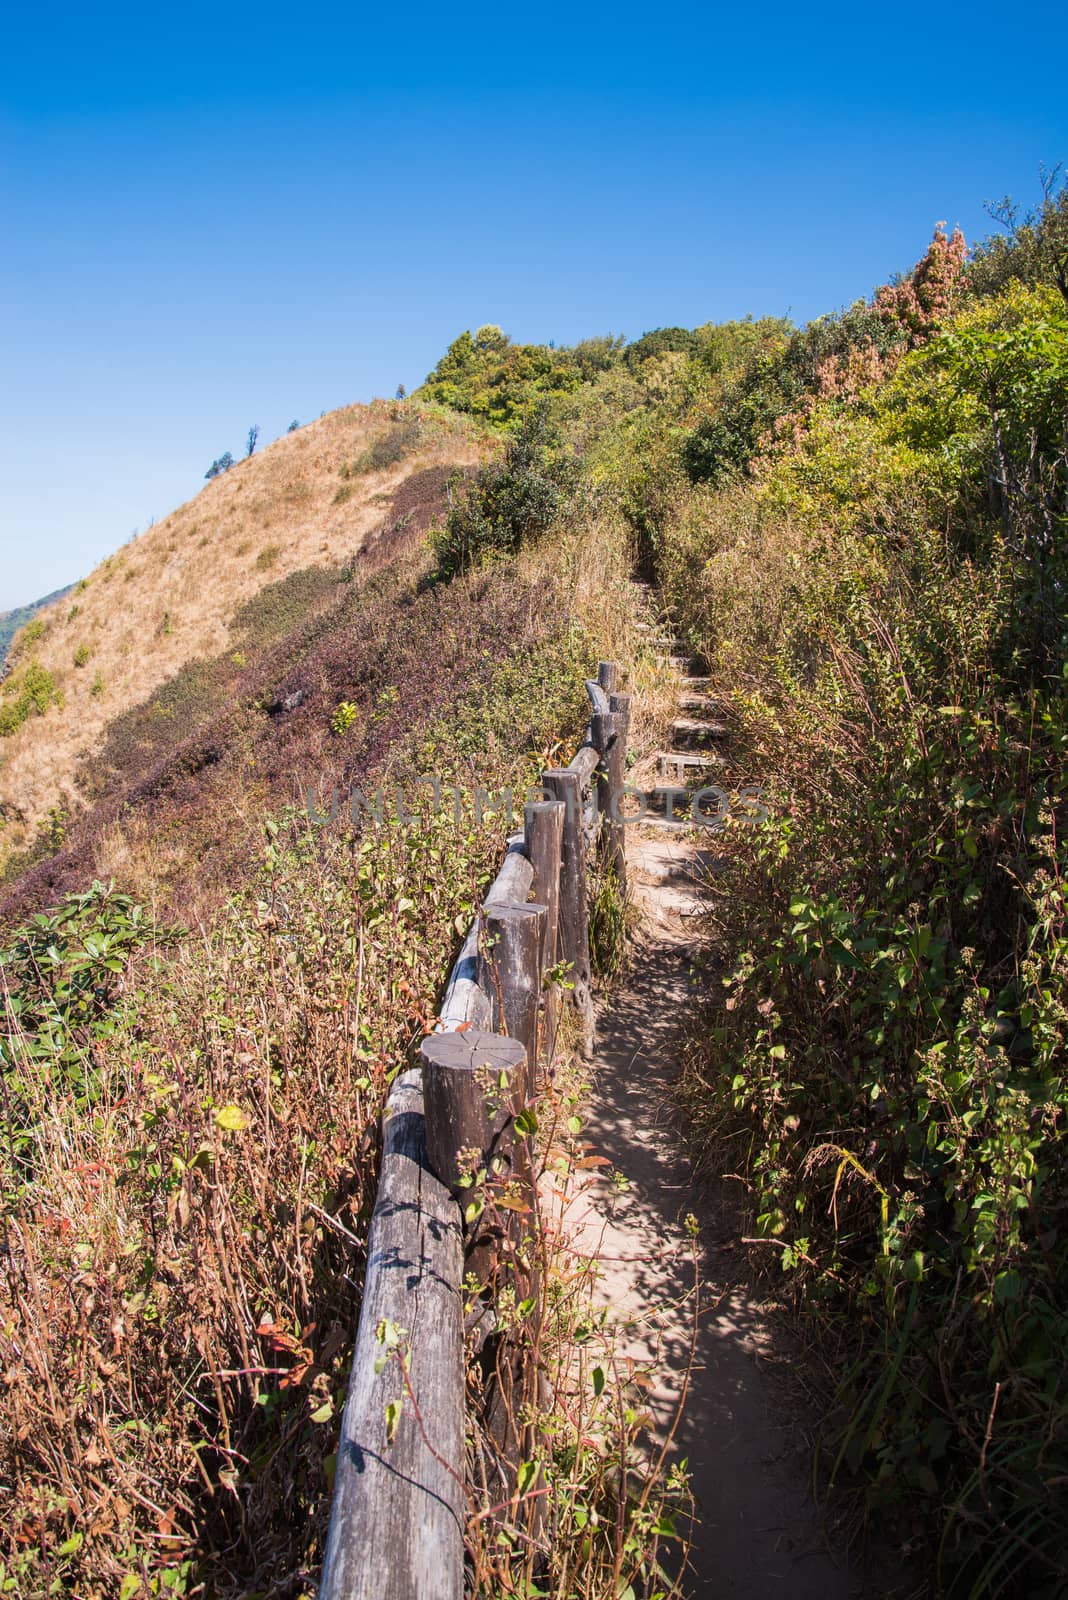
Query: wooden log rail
(400,1500)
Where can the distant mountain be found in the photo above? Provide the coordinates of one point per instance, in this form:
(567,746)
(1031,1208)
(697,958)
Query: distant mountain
(12,621)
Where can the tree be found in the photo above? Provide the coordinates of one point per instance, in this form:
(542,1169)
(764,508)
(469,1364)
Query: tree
(1034,247)
(293,426)
(220,465)
(253,436)
(402,393)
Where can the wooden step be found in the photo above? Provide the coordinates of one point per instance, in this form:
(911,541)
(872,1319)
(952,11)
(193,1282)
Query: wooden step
(699,702)
(686,732)
(680,825)
(675,764)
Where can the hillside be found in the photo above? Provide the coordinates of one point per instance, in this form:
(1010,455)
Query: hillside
(855,536)
(316,499)
(12,621)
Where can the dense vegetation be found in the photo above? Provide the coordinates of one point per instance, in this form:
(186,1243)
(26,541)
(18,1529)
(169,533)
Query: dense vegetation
(191,1095)
(860,527)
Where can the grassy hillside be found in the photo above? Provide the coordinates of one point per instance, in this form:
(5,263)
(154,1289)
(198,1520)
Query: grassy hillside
(315,501)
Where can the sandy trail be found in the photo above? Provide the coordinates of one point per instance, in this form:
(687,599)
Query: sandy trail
(758,1533)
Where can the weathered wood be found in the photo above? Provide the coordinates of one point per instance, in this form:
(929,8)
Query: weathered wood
(397,1522)
(608,676)
(544,846)
(472,1091)
(463,1001)
(512,884)
(621,705)
(584,762)
(608,735)
(574,936)
(510,971)
(598,698)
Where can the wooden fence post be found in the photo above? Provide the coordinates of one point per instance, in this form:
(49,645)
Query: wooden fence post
(607,676)
(620,704)
(510,972)
(544,844)
(574,931)
(474,1085)
(467,1106)
(608,736)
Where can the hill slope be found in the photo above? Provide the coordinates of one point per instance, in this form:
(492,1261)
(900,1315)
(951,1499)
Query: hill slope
(313,500)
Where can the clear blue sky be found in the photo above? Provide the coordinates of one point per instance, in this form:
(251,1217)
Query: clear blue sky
(214,216)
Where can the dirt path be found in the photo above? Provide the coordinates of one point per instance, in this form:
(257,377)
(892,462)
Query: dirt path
(757,1533)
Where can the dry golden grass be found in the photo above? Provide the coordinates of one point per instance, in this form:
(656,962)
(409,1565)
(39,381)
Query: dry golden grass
(169,598)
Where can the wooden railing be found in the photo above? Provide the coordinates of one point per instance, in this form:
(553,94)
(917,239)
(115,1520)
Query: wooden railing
(397,1521)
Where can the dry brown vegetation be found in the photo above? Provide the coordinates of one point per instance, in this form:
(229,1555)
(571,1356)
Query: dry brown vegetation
(170,598)
(187,1186)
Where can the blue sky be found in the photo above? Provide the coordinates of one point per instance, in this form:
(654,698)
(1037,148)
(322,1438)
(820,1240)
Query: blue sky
(216,216)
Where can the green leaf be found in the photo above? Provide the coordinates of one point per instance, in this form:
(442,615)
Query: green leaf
(231,1118)
(393,1416)
(598,1381)
(526,1124)
(129,1586)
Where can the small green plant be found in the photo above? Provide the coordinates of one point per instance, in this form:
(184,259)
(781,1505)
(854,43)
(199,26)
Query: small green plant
(344,716)
(608,927)
(28,636)
(81,655)
(96,688)
(27,693)
(56,828)
(268,556)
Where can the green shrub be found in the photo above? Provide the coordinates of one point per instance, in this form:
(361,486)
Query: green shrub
(27,693)
(510,501)
(345,714)
(81,655)
(62,975)
(396,443)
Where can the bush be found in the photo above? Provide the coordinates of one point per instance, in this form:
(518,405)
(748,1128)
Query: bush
(385,451)
(81,655)
(27,693)
(510,501)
